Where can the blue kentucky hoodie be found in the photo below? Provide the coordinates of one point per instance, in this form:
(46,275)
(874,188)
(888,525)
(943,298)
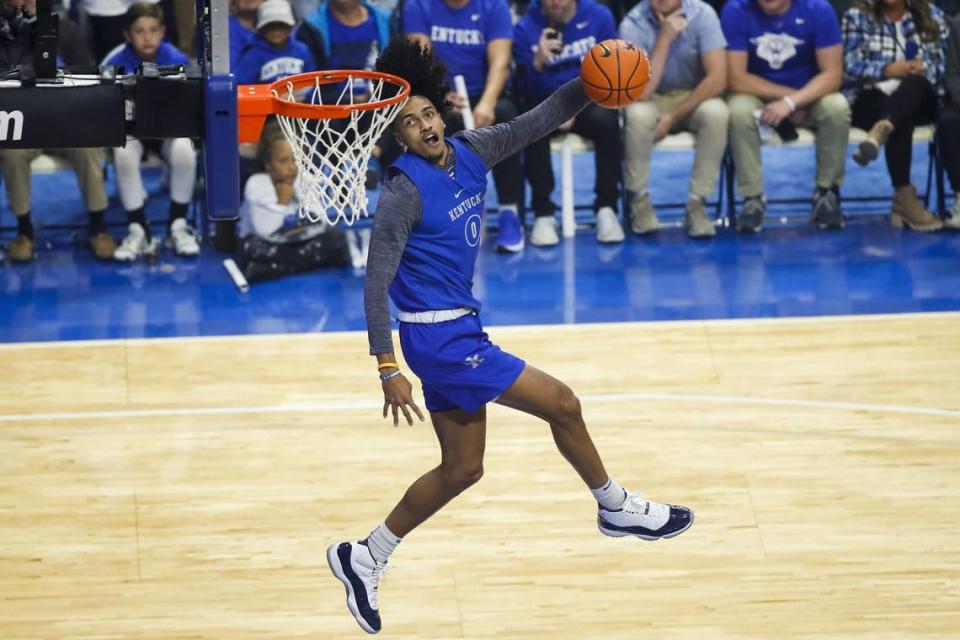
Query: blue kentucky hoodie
(262,62)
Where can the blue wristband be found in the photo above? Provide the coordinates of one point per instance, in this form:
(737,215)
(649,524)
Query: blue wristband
(389,376)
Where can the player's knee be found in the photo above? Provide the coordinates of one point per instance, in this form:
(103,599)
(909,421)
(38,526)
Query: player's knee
(461,477)
(568,405)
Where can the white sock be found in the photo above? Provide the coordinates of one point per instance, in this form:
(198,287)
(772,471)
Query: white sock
(610,495)
(510,207)
(382,542)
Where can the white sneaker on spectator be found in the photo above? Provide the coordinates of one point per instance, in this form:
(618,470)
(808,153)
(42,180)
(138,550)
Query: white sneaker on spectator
(135,245)
(608,227)
(182,239)
(544,233)
(953,222)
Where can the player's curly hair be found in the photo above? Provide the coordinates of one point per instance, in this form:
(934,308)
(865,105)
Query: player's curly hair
(418,66)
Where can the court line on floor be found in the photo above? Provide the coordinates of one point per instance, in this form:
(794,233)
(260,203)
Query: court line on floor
(586,399)
(612,327)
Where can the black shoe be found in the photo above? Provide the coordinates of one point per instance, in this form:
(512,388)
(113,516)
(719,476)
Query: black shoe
(826,208)
(750,219)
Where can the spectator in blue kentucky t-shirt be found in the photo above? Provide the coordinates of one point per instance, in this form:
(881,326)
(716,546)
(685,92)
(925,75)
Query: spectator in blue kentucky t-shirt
(785,66)
(272,54)
(548,45)
(473,38)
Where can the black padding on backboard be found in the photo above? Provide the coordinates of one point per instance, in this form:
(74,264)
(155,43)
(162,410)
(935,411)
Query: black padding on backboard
(168,108)
(47,117)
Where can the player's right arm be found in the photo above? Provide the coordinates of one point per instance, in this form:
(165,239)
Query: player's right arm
(503,140)
(398,211)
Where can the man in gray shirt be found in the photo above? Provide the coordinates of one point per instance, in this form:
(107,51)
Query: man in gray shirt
(688,73)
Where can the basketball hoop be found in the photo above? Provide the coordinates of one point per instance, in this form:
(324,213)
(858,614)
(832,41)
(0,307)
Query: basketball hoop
(332,120)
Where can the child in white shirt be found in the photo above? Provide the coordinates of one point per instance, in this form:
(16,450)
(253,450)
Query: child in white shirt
(274,240)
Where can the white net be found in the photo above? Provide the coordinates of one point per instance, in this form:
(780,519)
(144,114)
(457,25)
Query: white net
(332,154)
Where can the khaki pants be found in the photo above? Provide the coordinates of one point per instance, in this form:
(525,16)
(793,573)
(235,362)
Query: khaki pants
(87,164)
(829,117)
(708,122)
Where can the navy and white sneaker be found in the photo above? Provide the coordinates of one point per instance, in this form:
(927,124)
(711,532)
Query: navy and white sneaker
(644,519)
(354,566)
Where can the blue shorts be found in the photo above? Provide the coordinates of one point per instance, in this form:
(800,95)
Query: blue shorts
(457,364)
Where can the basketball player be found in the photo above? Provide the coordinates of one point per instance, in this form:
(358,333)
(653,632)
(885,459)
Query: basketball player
(423,251)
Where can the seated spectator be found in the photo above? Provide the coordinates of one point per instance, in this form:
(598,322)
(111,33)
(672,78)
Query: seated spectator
(784,67)
(274,240)
(548,45)
(893,60)
(243,27)
(688,73)
(948,126)
(473,38)
(16,48)
(144,33)
(272,54)
(106,19)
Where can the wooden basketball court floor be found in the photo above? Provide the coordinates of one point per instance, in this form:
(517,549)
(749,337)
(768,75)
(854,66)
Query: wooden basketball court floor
(187,488)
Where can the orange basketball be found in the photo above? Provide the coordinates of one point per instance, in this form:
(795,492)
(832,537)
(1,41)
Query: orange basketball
(614,73)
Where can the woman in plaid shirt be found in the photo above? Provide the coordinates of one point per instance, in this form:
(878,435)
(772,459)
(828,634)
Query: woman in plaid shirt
(893,54)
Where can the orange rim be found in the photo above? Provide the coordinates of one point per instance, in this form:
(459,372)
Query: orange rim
(290,109)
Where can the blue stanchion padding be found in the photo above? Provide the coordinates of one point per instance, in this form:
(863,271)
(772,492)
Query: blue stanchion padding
(221,161)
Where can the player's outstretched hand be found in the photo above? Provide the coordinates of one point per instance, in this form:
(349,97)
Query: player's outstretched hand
(398,393)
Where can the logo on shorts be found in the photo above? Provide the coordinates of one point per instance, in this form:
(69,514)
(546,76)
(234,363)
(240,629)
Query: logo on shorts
(473,361)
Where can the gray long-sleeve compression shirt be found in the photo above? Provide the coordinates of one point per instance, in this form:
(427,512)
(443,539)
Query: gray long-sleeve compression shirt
(400,208)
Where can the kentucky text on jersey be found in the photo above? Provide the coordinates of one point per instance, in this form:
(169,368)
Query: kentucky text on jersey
(465,206)
(281,67)
(456,36)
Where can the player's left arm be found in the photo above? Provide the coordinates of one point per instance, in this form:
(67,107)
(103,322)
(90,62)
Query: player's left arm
(500,141)
(498,61)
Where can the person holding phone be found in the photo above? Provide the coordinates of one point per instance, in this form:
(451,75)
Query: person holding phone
(688,69)
(548,44)
(893,77)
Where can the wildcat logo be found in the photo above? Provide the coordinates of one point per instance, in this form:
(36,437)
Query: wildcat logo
(473,361)
(7,117)
(776,48)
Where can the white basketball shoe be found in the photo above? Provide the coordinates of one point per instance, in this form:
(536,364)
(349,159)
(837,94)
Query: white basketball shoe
(354,566)
(644,519)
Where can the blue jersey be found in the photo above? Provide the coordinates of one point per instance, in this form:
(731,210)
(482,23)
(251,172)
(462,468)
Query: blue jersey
(460,36)
(592,23)
(261,62)
(781,48)
(126,57)
(436,270)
